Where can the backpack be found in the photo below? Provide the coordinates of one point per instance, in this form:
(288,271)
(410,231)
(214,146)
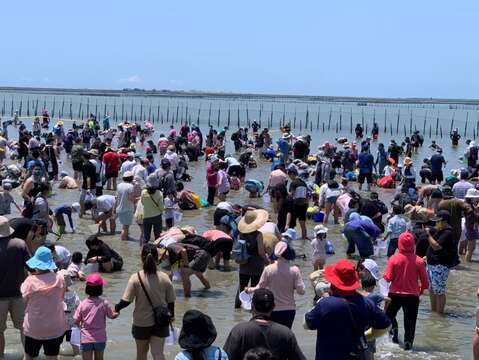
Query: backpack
(240,252)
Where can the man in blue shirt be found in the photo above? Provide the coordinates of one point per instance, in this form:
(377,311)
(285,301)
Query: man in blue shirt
(365,164)
(342,318)
(283,147)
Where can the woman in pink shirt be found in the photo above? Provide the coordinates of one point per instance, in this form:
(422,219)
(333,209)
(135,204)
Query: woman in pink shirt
(91,316)
(282,279)
(43,290)
(212,178)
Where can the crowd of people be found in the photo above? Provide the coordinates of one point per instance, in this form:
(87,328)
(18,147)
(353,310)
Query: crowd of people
(125,177)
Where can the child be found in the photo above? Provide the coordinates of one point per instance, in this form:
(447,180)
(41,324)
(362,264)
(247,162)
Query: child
(91,316)
(74,269)
(318,245)
(170,208)
(397,224)
(71,302)
(6,200)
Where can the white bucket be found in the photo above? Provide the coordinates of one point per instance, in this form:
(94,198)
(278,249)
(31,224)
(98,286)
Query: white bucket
(245,299)
(172,339)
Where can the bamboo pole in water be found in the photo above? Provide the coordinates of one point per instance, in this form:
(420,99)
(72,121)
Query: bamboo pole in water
(20,107)
(158,112)
(229,115)
(441,131)
(28,106)
(260,114)
(238,117)
(391,128)
(271,117)
(374,120)
(79,112)
(306,121)
(385,120)
(437,123)
(198,118)
(452,121)
(362,118)
(323,126)
(209,116)
(465,126)
(430,127)
(284,114)
(300,125)
(410,121)
(168,113)
(104,109)
(329,120)
(114,111)
(122,110)
(351,120)
(404,129)
(247,116)
(96,108)
(44,103)
(317,120)
(219,116)
(3,107)
(186,113)
(294,120)
(87,107)
(36,107)
(63,106)
(71,109)
(397,121)
(340,119)
(424,125)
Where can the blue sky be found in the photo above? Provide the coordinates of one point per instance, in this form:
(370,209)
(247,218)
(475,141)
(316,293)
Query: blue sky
(356,48)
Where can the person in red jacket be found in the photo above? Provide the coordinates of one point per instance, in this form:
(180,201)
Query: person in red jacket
(407,274)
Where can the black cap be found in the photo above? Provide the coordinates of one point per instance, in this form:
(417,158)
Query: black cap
(263,300)
(442,215)
(165,164)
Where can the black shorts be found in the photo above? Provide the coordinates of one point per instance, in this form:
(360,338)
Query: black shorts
(368,177)
(77,165)
(145,333)
(299,212)
(51,347)
(439,177)
(236,170)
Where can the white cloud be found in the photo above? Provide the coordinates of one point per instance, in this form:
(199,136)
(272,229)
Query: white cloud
(131,79)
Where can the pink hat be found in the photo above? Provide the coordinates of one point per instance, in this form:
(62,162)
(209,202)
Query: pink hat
(95,280)
(280,248)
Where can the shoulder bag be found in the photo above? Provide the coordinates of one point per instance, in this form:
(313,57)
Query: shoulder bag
(161,313)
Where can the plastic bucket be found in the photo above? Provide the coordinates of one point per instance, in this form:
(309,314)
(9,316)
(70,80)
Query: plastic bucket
(245,299)
(318,217)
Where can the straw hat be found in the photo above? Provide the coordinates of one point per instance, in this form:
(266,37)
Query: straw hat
(5,229)
(252,220)
(269,242)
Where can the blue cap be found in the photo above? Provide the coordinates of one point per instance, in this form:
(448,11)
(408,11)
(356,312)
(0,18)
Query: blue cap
(42,260)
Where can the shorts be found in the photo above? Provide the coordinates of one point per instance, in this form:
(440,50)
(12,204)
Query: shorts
(16,307)
(51,347)
(111,174)
(368,177)
(126,217)
(332,200)
(299,212)
(439,177)
(98,346)
(77,166)
(145,333)
(438,275)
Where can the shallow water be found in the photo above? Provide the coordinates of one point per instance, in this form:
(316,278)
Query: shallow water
(448,337)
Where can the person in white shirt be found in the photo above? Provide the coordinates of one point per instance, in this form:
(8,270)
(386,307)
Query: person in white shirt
(128,164)
(173,157)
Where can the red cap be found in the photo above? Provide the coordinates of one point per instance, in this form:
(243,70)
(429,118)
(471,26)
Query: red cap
(342,275)
(95,280)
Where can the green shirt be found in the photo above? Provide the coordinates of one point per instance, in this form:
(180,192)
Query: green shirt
(153,204)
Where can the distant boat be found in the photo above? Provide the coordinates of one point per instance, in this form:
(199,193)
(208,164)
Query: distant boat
(362,104)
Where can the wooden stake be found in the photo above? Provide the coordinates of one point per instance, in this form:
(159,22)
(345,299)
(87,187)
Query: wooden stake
(317,120)
(329,120)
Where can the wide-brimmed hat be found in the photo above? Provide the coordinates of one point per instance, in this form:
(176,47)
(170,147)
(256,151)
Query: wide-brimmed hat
(93,152)
(128,174)
(342,275)
(252,220)
(197,332)
(407,161)
(320,229)
(5,229)
(269,242)
(372,267)
(290,234)
(42,260)
(472,194)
